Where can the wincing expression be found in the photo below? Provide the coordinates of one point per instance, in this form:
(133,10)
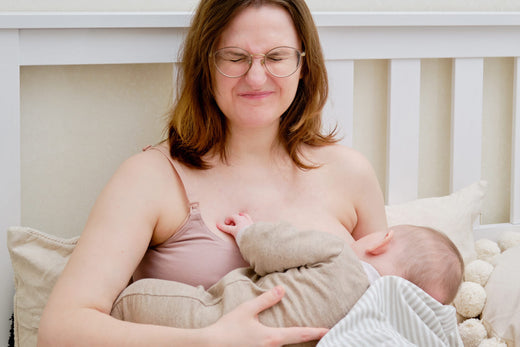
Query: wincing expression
(235,62)
(254,96)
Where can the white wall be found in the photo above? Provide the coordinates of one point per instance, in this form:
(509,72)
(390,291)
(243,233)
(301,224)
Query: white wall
(78,124)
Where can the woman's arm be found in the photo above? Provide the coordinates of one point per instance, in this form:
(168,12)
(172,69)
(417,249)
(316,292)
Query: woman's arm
(118,231)
(129,214)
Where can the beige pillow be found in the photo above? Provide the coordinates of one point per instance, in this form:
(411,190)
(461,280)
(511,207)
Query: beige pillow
(37,259)
(501,314)
(454,214)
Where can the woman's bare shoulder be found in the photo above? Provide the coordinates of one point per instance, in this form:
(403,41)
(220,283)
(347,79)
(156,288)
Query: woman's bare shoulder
(347,170)
(147,169)
(146,183)
(340,158)
(154,169)
(146,162)
(353,183)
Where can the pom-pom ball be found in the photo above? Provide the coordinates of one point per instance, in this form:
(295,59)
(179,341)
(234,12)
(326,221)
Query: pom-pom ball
(478,271)
(472,332)
(470,299)
(486,249)
(508,239)
(492,342)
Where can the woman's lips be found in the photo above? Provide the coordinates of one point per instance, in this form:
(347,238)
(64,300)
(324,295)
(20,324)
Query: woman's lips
(255,95)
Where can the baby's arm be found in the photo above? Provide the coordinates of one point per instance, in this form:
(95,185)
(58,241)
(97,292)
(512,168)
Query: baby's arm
(277,247)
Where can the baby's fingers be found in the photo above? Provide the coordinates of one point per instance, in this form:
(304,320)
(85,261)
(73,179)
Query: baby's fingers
(226,228)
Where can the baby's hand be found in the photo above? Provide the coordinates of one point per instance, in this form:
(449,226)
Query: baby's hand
(236,222)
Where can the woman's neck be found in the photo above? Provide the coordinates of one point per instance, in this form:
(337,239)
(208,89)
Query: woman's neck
(254,145)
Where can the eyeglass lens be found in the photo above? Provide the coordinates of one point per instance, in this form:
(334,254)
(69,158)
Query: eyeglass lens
(236,62)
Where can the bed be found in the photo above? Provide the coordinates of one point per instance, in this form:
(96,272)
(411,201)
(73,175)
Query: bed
(408,47)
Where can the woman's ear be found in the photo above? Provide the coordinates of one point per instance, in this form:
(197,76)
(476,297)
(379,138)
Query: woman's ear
(381,246)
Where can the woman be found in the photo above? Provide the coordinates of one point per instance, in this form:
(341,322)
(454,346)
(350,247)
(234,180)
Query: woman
(244,135)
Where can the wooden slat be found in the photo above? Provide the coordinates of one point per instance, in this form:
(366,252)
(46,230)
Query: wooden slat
(161,19)
(515,165)
(398,42)
(10,187)
(466,126)
(99,46)
(340,105)
(403,130)
(81,19)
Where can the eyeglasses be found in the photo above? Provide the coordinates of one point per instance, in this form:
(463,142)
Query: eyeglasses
(280,61)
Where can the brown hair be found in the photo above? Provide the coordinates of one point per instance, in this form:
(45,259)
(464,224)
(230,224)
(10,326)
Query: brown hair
(430,260)
(197,126)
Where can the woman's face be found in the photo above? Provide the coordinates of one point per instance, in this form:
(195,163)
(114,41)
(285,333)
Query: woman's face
(257,99)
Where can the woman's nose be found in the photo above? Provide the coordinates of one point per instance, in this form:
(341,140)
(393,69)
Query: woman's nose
(257,74)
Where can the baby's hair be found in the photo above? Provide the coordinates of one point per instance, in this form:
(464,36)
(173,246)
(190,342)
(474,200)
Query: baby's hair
(430,260)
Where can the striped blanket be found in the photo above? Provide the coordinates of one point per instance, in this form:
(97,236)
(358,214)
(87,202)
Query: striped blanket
(395,312)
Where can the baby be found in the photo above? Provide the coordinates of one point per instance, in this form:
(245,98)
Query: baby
(423,256)
(322,275)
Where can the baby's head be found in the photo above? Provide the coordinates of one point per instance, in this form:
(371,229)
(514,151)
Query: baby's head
(423,256)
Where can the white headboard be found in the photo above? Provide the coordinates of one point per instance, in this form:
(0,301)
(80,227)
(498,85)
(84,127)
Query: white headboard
(403,39)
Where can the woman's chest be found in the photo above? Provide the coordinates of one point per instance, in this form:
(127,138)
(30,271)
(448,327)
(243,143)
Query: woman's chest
(307,201)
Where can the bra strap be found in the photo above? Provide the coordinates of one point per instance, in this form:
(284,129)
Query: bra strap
(177,168)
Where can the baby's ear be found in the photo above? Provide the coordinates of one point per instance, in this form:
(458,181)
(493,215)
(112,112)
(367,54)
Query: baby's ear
(381,246)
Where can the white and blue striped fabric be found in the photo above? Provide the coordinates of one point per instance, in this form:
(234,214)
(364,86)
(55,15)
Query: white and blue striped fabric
(395,312)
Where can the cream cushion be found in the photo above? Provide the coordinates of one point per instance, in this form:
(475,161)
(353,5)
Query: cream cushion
(454,214)
(37,259)
(501,314)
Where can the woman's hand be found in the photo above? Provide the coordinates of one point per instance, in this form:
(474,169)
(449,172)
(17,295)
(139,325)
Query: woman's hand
(241,326)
